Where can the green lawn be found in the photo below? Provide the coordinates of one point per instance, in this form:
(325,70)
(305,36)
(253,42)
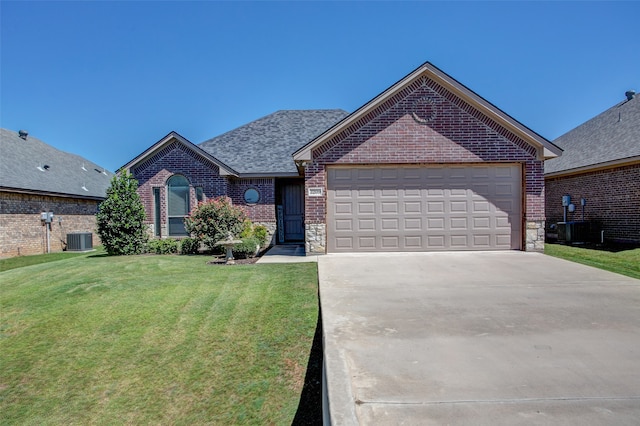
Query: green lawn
(22,261)
(154,340)
(625,262)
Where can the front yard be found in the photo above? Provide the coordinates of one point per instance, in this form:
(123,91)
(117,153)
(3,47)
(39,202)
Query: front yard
(154,340)
(625,262)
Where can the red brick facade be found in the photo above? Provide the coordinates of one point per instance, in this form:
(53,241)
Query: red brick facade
(613,200)
(176,159)
(23,232)
(395,133)
(264,210)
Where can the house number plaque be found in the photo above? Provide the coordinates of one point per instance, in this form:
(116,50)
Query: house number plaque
(315,192)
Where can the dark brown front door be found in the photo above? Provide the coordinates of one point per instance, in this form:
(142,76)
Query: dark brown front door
(293,204)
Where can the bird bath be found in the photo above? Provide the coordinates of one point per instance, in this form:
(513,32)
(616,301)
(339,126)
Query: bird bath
(228,245)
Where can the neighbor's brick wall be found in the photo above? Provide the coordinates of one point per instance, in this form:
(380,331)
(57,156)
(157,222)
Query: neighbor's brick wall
(457,134)
(22,231)
(264,210)
(613,200)
(173,159)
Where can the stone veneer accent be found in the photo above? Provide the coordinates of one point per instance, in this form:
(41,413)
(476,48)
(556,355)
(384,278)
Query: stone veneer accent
(535,236)
(315,238)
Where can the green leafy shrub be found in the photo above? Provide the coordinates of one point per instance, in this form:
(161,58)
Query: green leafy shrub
(257,231)
(121,217)
(163,246)
(213,220)
(189,246)
(260,232)
(246,249)
(247,229)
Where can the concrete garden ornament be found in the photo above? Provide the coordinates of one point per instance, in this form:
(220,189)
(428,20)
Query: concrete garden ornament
(228,245)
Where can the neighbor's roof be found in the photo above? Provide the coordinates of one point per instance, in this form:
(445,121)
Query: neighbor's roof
(265,146)
(32,166)
(612,137)
(544,148)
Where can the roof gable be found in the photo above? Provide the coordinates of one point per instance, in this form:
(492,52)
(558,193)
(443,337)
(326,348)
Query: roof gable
(544,148)
(612,137)
(172,137)
(264,146)
(30,165)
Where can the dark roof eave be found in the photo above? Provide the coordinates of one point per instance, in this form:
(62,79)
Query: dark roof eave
(50,193)
(594,167)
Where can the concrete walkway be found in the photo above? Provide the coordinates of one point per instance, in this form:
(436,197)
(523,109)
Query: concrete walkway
(286,253)
(483,338)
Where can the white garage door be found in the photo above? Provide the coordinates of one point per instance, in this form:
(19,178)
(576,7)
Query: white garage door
(424,208)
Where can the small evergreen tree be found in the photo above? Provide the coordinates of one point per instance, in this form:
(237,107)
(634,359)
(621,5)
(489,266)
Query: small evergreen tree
(213,220)
(121,217)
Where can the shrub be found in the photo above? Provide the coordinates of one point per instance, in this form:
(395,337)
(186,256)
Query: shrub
(163,246)
(260,232)
(213,220)
(121,216)
(189,246)
(257,231)
(246,249)
(247,229)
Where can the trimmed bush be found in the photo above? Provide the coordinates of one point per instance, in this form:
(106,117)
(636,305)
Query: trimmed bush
(121,216)
(260,232)
(246,249)
(213,220)
(163,246)
(189,246)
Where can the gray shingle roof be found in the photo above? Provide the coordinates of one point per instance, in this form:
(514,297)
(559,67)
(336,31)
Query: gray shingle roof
(610,136)
(32,165)
(266,145)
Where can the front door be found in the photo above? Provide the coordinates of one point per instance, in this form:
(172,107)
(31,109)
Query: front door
(293,206)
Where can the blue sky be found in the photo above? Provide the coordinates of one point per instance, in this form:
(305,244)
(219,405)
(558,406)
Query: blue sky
(106,80)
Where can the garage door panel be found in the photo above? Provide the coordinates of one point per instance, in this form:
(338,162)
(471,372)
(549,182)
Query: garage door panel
(366,208)
(435,223)
(458,224)
(426,208)
(460,242)
(458,207)
(390,224)
(390,243)
(481,222)
(389,207)
(343,208)
(412,224)
(366,243)
(344,224)
(366,224)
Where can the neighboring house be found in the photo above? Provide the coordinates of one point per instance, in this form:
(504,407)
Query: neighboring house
(37,178)
(426,165)
(600,164)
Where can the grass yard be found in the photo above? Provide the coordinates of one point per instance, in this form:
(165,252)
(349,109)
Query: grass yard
(625,262)
(154,340)
(22,261)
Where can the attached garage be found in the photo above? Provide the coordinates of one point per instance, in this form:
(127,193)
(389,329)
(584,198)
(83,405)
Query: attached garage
(424,208)
(427,165)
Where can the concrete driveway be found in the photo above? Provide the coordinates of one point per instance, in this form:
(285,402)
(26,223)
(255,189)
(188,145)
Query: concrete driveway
(481,338)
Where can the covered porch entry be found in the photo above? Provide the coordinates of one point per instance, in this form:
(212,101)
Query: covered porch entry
(290,210)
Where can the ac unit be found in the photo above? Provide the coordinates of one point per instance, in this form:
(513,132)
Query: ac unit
(80,241)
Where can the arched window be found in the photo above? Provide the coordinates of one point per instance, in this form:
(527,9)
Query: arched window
(178,204)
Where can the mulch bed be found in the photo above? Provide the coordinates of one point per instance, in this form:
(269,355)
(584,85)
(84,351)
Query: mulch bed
(220,260)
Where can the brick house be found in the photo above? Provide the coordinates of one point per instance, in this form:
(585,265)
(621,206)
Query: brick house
(36,178)
(600,164)
(426,165)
